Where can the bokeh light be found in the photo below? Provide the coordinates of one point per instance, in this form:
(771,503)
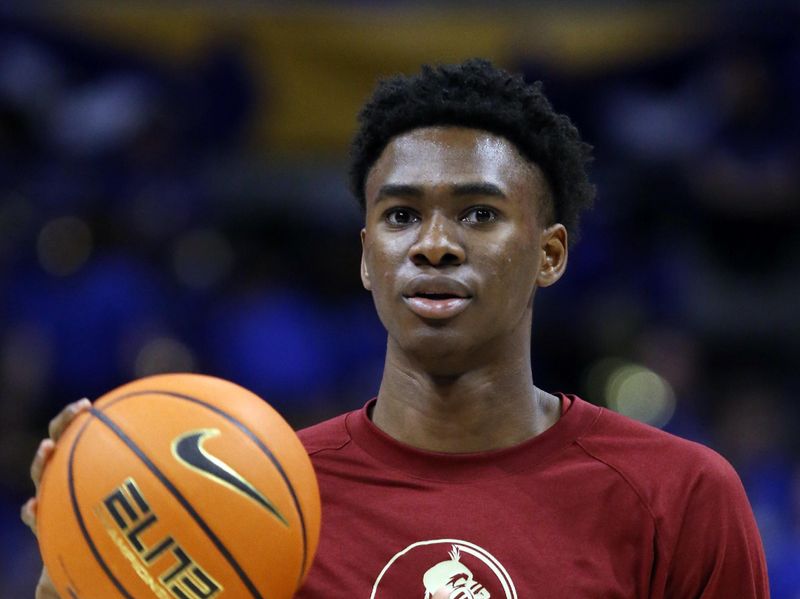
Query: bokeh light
(201,258)
(639,393)
(64,245)
(164,354)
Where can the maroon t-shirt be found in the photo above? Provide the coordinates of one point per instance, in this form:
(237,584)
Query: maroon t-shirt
(597,506)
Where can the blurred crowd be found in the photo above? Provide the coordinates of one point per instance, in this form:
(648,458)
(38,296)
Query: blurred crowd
(141,232)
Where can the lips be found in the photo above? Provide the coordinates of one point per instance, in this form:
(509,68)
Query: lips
(436,297)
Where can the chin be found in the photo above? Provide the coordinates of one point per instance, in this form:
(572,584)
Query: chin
(438,351)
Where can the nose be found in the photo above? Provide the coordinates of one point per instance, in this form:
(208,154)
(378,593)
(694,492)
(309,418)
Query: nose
(437,244)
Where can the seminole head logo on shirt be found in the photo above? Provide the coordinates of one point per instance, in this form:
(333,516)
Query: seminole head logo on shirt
(441,568)
(453,576)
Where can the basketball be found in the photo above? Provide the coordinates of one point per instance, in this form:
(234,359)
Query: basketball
(178,486)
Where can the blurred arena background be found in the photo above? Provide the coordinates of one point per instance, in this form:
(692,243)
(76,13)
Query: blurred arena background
(173,198)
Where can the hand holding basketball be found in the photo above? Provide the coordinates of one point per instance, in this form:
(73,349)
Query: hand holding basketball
(45,588)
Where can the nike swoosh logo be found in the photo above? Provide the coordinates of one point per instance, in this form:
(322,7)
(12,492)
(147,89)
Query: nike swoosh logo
(188,450)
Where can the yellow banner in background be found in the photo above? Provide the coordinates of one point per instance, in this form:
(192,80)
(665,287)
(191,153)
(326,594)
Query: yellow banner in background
(315,65)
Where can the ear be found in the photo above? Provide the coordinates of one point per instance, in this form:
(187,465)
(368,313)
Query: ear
(364,271)
(554,252)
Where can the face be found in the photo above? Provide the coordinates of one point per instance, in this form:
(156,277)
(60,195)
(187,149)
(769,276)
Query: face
(456,241)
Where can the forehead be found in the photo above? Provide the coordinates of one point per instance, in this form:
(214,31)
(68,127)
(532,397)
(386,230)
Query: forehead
(444,156)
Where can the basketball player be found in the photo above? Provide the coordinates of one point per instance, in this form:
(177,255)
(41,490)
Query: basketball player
(462,479)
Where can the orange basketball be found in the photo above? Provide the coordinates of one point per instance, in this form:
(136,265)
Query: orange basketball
(179,486)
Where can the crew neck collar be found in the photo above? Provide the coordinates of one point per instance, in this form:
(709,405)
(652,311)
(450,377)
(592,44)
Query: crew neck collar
(467,467)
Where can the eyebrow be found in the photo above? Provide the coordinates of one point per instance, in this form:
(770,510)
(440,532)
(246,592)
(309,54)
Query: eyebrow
(393,190)
(479,188)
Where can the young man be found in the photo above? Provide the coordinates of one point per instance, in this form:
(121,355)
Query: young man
(462,479)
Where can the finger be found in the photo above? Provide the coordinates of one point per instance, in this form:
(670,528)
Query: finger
(28,514)
(43,453)
(442,593)
(60,422)
(45,589)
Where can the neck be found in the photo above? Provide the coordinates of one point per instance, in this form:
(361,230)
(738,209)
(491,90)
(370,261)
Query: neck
(484,407)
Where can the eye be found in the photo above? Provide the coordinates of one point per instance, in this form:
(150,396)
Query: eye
(479,215)
(400,216)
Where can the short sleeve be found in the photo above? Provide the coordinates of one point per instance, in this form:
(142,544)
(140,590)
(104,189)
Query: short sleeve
(718,552)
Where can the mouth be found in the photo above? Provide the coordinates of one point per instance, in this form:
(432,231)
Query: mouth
(436,297)
(437,306)
(439,296)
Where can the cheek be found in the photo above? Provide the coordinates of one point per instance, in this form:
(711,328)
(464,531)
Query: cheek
(511,278)
(385,254)
(513,258)
(380,261)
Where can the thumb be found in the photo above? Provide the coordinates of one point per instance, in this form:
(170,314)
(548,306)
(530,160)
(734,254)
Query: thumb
(442,593)
(45,588)
(28,514)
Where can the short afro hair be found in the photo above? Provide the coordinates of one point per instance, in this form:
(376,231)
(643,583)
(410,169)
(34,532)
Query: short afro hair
(478,95)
